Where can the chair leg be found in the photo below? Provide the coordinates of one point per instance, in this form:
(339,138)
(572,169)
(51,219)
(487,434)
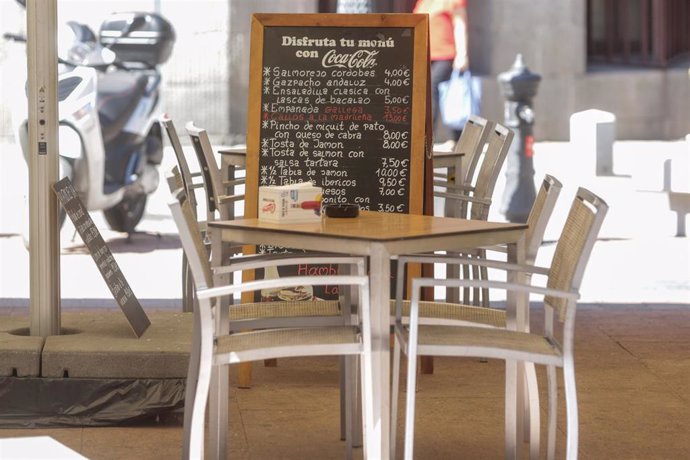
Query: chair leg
(553,409)
(571,410)
(194,423)
(343,399)
(395,391)
(188,289)
(350,402)
(511,409)
(356,425)
(367,397)
(348,397)
(218,412)
(191,386)
(466,297)
(533,409)
(410,400)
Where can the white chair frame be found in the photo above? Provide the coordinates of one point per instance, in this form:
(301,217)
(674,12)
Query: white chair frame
(560,295)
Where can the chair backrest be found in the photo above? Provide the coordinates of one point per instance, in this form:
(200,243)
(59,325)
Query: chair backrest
(211,176)
(575,246)
(498,144)
(471,144)
(185,172)
(192,244)
(539,215)
(174,180)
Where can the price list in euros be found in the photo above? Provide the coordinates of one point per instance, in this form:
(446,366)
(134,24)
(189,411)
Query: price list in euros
(336,111)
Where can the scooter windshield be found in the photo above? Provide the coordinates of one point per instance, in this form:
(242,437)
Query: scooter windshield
(72,50)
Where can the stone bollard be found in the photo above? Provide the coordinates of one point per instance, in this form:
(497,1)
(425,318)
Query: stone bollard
(592,134)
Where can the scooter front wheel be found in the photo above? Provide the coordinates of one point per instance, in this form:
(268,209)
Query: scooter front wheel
(125,216)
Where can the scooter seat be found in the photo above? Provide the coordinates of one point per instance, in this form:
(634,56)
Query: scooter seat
(118,96)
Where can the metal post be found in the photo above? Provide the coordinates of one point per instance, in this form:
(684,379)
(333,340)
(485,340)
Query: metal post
(44,237)
(519,86)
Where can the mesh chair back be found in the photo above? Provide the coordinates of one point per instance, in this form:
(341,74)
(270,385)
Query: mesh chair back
(185,172)
(499,140)
(174,179)
(471,144)
(213,182)
(575,246)
(192,244)
(540,214)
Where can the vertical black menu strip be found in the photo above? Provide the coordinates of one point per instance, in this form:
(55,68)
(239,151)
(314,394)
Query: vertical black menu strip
(336,110)
(102,256)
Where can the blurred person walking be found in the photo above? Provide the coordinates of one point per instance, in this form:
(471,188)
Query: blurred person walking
(448,51)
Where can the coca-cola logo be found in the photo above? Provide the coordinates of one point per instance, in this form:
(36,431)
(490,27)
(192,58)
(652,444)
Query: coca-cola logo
(360,59)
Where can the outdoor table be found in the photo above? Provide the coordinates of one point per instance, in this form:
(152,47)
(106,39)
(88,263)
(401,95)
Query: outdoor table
(381,237)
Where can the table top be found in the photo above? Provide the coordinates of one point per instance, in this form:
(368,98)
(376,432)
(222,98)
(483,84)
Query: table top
(374,226)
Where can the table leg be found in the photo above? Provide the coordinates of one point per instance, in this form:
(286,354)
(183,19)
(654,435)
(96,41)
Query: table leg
(379,276)
(516,319)
(244,375)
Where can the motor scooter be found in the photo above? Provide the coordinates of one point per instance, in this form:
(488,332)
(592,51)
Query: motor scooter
(110,142)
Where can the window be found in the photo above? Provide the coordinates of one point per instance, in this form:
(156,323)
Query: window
(638,32)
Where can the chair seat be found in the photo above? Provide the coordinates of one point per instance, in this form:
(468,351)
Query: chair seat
(455,312)
(302,309)
(274,343)
(484,342)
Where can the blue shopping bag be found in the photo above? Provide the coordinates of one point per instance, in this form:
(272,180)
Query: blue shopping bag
(459,97)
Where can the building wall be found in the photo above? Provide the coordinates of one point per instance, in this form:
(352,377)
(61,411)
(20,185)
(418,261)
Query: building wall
(551,35)
(238,51)
(206,78)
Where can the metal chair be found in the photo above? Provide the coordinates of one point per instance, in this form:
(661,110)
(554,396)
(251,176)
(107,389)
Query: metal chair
(437,312)
(481,171)
(215,186)
(183,166)
(187,182)
(470,144)
(537,221)
(280,335)
(560,294)
(476,195)
(217,201)
(265,314)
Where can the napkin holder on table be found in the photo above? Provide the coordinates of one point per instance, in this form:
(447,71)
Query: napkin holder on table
(299,202)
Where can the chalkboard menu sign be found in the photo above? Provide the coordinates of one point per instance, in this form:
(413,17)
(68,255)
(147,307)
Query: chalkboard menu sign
(339,100)
(102,256)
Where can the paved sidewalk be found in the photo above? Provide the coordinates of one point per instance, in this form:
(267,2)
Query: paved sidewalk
(637,260)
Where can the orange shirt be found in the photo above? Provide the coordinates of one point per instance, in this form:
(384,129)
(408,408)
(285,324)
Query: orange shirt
(442,45)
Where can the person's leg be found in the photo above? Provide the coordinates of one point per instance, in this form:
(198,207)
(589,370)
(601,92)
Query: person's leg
(440,72)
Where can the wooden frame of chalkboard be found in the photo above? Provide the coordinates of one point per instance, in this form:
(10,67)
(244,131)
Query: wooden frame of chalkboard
(339,100)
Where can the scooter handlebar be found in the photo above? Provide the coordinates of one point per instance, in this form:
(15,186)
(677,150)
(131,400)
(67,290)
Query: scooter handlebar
(14,37)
